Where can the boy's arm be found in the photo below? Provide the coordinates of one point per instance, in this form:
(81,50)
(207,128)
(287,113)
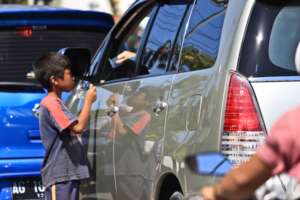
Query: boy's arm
(84,115)
(240,182)
(118,124)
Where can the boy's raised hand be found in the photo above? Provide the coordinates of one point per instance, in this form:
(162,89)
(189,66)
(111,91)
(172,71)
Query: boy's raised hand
(91,94)
(82,120)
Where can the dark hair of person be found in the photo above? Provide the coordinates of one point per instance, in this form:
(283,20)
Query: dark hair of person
(50,64)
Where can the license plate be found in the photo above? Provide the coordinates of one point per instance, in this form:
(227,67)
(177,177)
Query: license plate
(28,189)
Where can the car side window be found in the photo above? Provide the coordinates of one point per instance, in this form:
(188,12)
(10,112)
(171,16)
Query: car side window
(121,59)
(201,42)
(159,45)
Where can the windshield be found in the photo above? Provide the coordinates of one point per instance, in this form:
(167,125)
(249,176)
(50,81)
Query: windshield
(271,40)
(20,47)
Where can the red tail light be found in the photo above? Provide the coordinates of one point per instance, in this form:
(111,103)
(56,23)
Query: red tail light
(243,131)
(25,32)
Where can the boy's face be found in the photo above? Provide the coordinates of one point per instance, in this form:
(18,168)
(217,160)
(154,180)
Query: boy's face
(67,83)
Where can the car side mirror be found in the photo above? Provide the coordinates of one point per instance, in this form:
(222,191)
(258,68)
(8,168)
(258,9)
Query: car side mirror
(80,59)
(297,58)
(209,163)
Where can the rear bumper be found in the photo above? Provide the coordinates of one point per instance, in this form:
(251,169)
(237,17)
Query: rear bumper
(5,190)
(12,168)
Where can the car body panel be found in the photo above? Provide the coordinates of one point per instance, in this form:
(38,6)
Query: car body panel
(20,167)
(18,122)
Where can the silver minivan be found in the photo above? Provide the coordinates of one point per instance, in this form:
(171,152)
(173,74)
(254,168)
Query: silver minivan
(202,75)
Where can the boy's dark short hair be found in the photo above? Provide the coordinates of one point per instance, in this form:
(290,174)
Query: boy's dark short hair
(50,64)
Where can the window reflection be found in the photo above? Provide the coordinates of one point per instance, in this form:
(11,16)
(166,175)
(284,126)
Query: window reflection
(132,147)
(202,40)
(122,59)
(159,45)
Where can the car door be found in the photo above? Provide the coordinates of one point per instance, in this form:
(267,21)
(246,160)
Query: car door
(138,151)
(190,121)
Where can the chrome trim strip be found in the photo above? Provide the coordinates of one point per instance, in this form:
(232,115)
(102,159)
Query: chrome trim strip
(274,79)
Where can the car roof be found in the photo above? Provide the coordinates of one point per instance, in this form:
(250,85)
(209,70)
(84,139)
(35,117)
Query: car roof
(11,8)
(15,7)
(21,15)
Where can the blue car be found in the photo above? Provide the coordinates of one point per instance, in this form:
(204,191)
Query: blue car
(26,32)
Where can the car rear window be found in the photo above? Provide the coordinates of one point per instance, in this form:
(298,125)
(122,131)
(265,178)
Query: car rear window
(271,40)
(20,47)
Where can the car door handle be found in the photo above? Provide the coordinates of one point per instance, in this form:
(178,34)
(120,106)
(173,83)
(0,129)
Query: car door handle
(112,110)
(159,106)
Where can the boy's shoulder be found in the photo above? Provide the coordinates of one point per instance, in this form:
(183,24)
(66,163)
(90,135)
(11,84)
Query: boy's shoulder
(51,102)
(60,114)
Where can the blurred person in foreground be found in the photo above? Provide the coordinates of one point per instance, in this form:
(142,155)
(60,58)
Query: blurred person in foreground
(279,153)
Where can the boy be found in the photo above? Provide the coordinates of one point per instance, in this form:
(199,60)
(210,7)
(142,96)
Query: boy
(65,162)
